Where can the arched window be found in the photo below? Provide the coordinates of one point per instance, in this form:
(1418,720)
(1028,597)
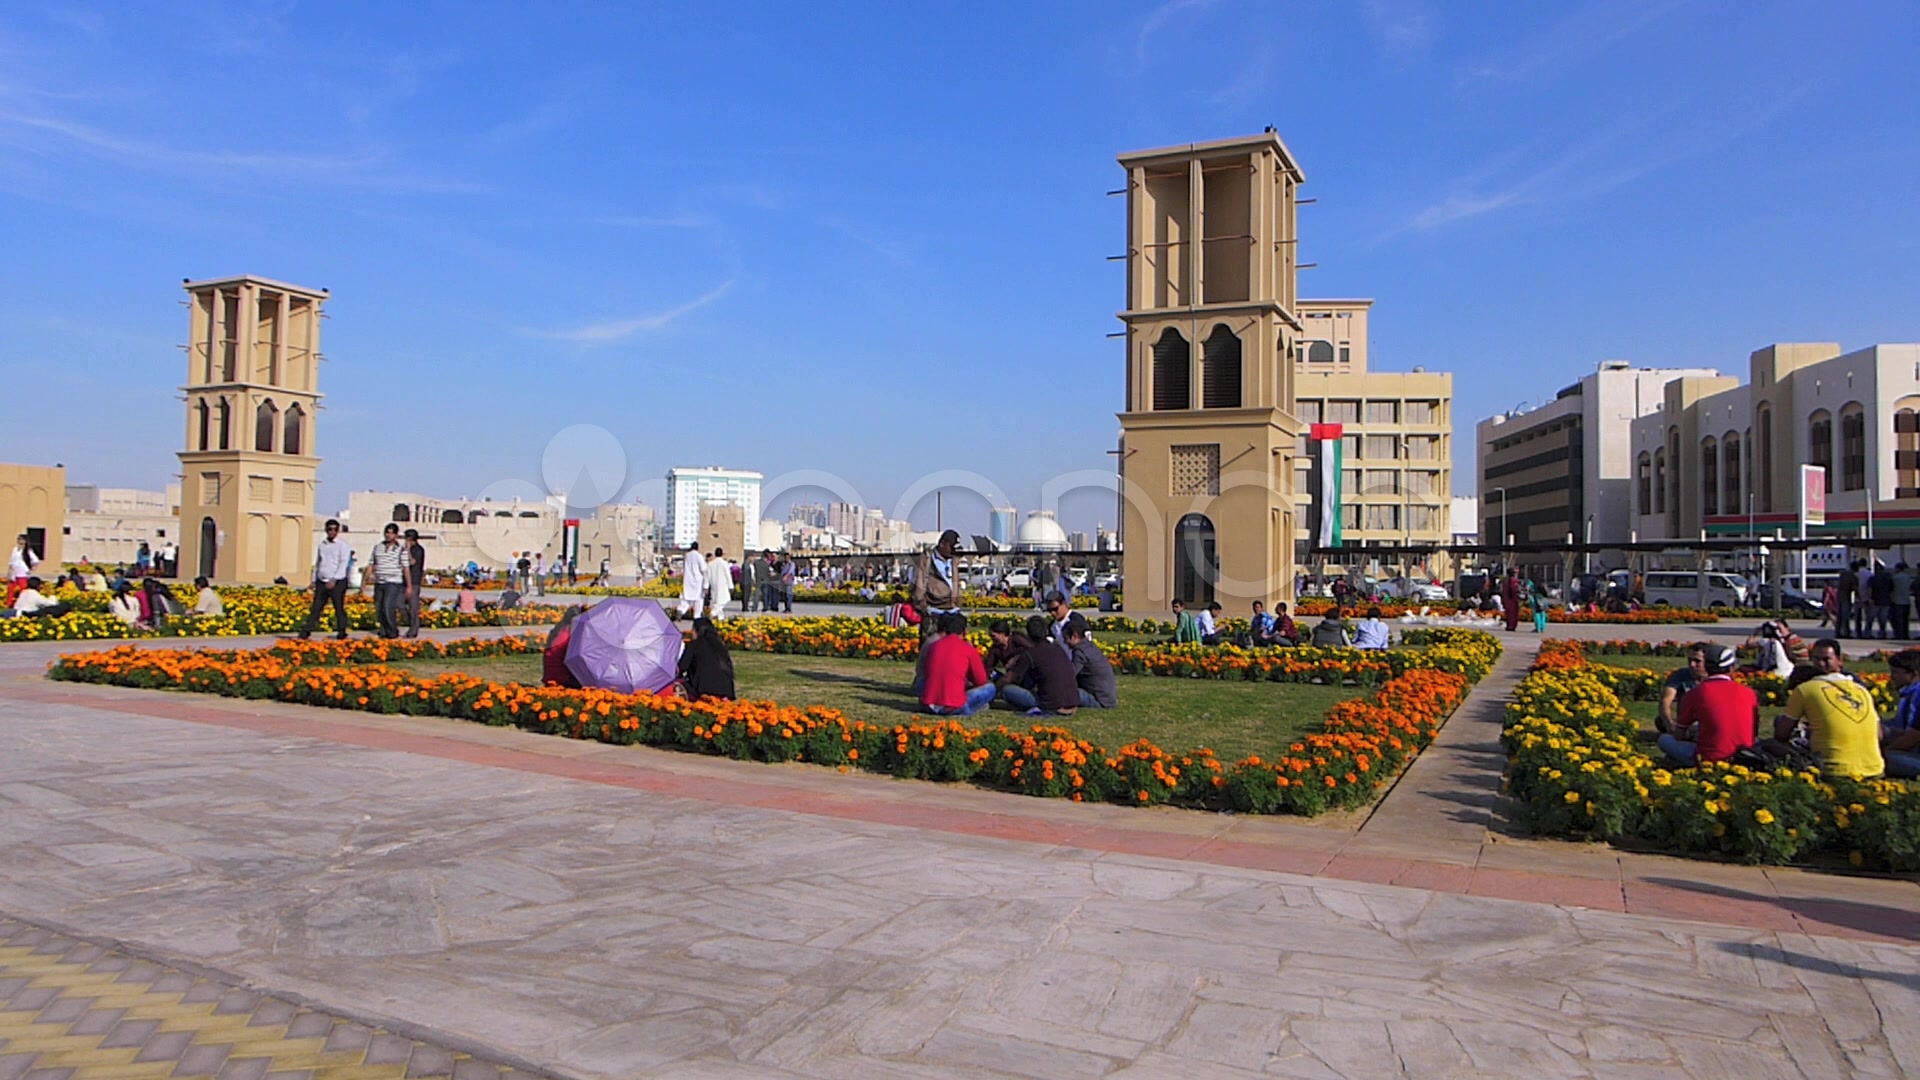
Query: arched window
(1172,372)
(295,441)
(528,514)
(1220,380)
(1660,481)
(223,417)
(1675,467)
(401,513)
(266,421)
(503,513)
(1906,448)
(1319,352)
(1763,467)
(1735,497)
(203,416)
(1709,477)
(1853,447)
(1820,442)
(451,517)
(1643,487)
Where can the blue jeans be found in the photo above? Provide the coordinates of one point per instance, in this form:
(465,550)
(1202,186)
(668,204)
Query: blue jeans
(1019,697)
(1088,701)
(1902,764)
(1679,750)
(977,698)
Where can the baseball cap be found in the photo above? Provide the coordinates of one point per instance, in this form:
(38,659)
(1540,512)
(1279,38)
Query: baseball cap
(1720,659)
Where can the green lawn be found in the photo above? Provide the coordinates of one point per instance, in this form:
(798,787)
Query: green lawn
(1235,719)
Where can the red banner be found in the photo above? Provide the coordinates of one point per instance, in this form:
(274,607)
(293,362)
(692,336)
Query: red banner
(1323,432)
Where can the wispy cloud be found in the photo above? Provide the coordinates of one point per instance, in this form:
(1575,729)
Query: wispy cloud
(363,168)
(1401,27)
(612,330)
(1608,159)
(1157,20)
(1572,41)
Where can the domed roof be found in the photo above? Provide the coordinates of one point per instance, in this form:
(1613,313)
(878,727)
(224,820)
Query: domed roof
(1040,532)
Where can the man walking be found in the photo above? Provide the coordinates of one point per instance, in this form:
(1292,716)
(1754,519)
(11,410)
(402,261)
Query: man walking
(416,573)
(789,577)
(329,582)
(693,583)
(1849,587)
(719,584)
(390,574)
(752,573)
(540,574)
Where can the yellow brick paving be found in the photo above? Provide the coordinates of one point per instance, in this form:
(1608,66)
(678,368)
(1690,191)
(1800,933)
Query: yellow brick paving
(70,1010)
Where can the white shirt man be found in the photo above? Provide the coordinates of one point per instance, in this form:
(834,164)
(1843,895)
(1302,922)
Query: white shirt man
(719,584)
(22,562)
(32,600)
(693,583)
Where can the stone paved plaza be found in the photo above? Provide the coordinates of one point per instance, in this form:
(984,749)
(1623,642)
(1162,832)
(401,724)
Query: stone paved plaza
(598,911)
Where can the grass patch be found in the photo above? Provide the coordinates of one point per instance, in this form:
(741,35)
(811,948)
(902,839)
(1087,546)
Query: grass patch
(1235,719)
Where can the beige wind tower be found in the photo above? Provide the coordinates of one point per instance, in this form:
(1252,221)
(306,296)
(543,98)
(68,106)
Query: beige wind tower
(1209,435)
(252,392)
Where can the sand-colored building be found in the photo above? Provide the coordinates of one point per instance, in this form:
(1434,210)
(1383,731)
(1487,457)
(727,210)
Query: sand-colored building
(33,503)
(108,525)
(1209,435)
(1397,430)
(494,534)
(249,465)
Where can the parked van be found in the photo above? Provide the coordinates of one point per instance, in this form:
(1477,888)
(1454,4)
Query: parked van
(1681,588)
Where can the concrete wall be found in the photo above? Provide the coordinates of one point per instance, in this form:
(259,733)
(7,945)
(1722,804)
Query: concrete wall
(34,497)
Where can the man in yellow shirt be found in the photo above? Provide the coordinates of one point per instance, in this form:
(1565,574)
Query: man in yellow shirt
(1843,727)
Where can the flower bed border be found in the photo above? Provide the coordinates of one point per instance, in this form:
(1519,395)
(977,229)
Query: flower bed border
(1363,744)
(1576,769)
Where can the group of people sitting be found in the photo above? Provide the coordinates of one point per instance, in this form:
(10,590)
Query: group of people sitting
(705,667)
(1829,720)
(146,602)
(1278,630)
(1045,669)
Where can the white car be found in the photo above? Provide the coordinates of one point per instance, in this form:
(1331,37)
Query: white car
(1018,578)
(1426,592)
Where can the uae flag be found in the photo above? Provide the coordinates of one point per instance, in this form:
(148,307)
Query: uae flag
(1327,446)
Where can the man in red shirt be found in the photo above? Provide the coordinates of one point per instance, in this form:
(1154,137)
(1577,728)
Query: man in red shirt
(1717,717)
(956,682)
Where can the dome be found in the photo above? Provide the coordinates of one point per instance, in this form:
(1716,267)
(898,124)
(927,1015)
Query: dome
(1040,532)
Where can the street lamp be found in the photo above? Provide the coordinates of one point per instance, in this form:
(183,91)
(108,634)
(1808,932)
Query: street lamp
(1587,554)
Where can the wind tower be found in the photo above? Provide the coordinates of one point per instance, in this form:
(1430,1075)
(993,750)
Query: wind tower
(1209,435)
(252,393)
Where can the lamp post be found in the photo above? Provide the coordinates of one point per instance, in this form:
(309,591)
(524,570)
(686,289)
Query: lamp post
(1587,553)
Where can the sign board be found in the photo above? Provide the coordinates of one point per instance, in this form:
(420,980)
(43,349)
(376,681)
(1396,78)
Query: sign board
(1813,495)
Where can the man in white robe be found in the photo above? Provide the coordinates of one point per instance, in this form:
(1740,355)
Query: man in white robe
(719,584)
(693,584)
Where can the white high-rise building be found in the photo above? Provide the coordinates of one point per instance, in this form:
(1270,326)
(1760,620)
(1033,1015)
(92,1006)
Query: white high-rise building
(688,488)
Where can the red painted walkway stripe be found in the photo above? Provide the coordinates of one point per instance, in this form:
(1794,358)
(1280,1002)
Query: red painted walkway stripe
(1698,902)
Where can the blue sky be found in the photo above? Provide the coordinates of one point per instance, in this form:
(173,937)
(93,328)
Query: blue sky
(870,240)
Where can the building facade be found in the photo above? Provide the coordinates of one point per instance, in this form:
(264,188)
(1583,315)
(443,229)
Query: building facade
(1209,435)
(494,535)
(249,467)
(108,525)
(1723,459)
(1000,524)
(33,504)
(689,489)
(1562,472)
(1397,443)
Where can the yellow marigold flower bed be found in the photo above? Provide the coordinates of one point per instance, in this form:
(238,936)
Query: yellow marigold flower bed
(248,611)
(1577,768)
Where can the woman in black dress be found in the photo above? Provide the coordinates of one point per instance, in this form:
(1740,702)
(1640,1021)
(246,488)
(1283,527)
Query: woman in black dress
(706,667)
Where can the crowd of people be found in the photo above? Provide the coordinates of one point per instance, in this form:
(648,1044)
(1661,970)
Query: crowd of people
(1829,720)
(764,582)
(398,565)
(1870,601)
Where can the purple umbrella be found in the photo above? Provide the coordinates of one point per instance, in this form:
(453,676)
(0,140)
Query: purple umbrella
(624,644)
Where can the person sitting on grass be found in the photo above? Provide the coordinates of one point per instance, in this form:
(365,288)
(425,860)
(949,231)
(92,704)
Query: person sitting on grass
(553,659)
(1717,718)
(1006,645)
(124,606)
(1843,727)
(31,603)
(208,603)
(1210,624)
(956,683)
(1900,734)
(468,602)
(1332,632)
(1268,631)
(1092,671)
(1186,628)
(1679,682)
(706,665)
(1372,633)
(1774,658)
(1055,689)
